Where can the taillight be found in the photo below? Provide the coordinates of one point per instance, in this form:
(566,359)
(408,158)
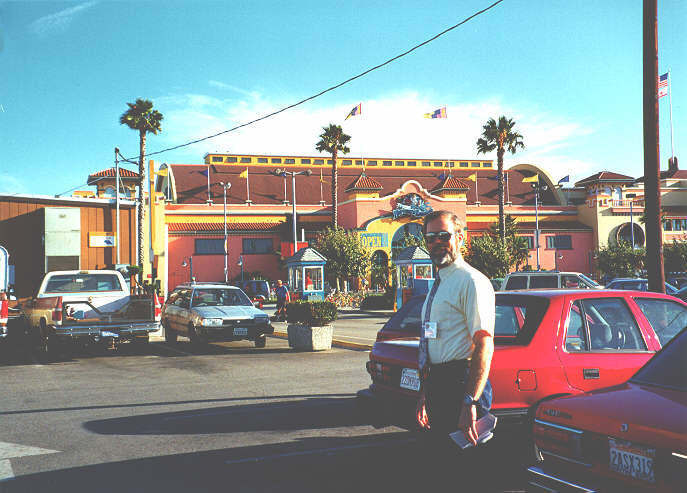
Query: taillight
(561,440)
(57,311)
(158,307)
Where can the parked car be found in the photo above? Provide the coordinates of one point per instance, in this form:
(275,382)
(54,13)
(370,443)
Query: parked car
(496,283)
(682,294)
(213,312)
(676,279)
(547,279)
(547,343)
(256,289)
(636,284)
(631,437)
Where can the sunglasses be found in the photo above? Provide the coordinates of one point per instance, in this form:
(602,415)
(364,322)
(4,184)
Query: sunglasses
(442,236)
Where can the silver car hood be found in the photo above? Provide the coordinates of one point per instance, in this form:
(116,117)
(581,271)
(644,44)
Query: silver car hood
(235,312)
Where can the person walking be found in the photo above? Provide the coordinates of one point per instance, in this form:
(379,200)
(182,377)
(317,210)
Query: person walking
(457,337)
(283,297)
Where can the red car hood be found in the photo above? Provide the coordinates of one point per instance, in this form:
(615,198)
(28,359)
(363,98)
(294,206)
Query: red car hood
(653,415)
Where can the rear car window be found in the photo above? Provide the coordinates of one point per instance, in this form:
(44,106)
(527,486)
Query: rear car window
(543,282)
(408,318)
(518,317)
(666,317)
(516,282)
(76,283)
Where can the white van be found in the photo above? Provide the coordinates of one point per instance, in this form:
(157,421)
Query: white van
(548,280)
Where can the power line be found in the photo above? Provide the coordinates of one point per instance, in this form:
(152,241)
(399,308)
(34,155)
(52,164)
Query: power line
(269,115)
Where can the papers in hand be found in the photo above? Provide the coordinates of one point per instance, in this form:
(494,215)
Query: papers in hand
(485,430)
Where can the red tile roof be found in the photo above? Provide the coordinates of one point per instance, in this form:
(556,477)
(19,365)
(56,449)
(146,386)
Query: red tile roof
(605,176)
(364,183)
(112,172)
(218,228)
(452,183)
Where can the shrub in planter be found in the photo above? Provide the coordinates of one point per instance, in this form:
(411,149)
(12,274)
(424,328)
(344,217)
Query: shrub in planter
(317,313)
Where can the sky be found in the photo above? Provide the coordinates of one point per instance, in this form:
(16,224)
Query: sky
(569,73)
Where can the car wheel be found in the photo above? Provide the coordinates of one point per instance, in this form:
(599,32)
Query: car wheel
(47,345)
(170,335)
(261,341)
(194,337)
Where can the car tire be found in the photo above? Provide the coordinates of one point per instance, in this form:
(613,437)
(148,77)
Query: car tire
(170,335)
(47,345)
(193,336)
(261,341)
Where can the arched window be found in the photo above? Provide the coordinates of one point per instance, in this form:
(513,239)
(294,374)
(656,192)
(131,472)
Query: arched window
(404,233)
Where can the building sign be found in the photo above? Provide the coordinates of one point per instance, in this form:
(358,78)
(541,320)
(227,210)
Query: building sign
(375,240)
(411,205)
(99,240)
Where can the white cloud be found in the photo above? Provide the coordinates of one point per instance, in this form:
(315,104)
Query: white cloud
(59,21)
(391,126)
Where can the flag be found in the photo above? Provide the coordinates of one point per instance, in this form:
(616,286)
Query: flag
(531,179)
(472,177)
(244,174)
(565,179)
(162,172)
(663,85)
(205,173)
(322,180)
(355,111)
(441,176)
(440,113)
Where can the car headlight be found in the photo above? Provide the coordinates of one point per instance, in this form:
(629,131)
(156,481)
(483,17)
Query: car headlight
(211,322)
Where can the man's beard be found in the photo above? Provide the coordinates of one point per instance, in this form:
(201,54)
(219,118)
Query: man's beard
(443,256)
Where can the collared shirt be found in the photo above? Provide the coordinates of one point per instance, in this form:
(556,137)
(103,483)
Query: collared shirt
(463,305)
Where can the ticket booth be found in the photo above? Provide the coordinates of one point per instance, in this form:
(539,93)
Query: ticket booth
(414,274)
(306,274)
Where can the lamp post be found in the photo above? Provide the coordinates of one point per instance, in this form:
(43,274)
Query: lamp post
(631,196)
(225,186)
(189,265)
(537,187)
(283,172)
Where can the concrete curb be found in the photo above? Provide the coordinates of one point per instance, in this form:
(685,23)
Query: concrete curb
(336,343)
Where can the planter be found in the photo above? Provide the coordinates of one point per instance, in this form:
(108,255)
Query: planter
(310,338)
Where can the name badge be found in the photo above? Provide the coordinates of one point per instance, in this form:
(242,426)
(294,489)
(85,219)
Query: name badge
(430,329)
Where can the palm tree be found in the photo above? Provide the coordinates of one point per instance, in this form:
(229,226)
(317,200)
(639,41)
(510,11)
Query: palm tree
(142,117)
(500,137)
(333,140)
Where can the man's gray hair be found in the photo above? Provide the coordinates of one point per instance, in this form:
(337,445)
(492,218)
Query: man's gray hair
(458,225)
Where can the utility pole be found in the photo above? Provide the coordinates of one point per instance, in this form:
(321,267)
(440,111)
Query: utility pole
(652,193)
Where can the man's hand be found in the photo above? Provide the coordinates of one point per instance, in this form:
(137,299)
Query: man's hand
(467,423)
(421,413)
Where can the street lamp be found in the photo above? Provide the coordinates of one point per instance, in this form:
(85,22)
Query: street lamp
(631,196)
(537,188)
(283,172)
(225,186)
(188,264)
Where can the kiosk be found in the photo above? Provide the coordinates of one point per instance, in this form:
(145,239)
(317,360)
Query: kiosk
(414,274)
(306,274)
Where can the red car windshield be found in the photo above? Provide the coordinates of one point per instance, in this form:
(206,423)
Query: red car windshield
(668,368)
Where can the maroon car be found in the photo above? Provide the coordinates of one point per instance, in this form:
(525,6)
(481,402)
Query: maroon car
(548,343)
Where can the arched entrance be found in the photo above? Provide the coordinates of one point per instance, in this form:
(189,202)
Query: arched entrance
(398,242)
(379,275)
(625,234)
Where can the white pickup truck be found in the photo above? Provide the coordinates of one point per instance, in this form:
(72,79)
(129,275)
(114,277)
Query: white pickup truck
(88,306)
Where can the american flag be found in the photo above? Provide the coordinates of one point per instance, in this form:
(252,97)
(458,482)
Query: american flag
(663,85)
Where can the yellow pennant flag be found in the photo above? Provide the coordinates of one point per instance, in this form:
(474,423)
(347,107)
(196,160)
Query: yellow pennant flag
(531,179)
(161,172)
(472,177)
(244,174)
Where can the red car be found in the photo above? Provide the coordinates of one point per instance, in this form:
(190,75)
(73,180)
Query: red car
(548,343)
(631,437)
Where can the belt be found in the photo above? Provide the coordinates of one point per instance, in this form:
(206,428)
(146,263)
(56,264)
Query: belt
(448,366)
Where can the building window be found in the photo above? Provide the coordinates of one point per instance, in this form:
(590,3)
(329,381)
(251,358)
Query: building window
(276,160)
(530,242)
(346,162)
(262,159)
(486,165)
(216,159)
(426,163)
(330,161)
(257,246)
(474,165)
(559,242)
(289,161)
(319,161)
(412,163)
(359,162)
(371,163)
(305,161)
(451,164)
(231,159)
(212,246)
(438,164)
(246,160)
(386,163)
(463,164)
(400,163)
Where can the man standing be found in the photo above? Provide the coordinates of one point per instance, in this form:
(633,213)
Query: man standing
(456,343)
(282,293)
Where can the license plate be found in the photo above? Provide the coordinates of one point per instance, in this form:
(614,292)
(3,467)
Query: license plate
(410,379)
(240,331)
(632,460)
(106,333)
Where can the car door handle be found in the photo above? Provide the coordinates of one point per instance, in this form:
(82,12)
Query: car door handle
(590,373)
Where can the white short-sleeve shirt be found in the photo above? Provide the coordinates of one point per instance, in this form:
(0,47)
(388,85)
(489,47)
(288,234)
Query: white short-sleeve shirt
(463,305)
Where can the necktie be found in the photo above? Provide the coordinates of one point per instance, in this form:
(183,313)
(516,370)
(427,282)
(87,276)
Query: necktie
(423,355)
